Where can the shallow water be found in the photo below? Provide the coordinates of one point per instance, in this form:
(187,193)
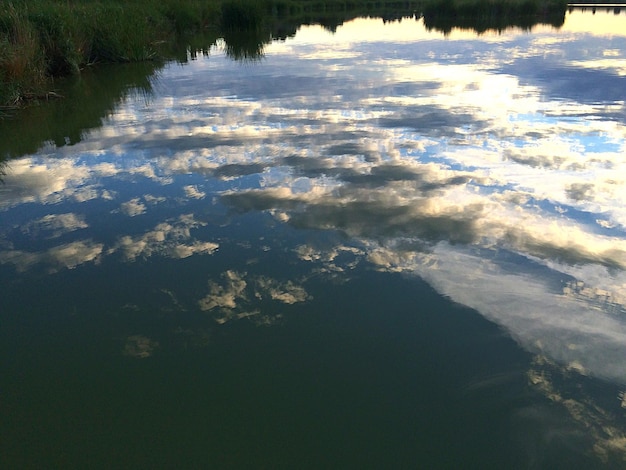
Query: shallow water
(382,246)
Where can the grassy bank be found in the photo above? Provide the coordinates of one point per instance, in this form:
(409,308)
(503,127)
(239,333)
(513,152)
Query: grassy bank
(46,38)
(40,39)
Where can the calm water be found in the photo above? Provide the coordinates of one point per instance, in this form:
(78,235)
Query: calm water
(378,248)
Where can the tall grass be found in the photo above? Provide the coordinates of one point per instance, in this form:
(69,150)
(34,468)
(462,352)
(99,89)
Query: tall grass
(45,38)
(21,57)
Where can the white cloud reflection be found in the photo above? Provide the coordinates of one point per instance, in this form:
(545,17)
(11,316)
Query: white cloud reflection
(170,239)
(133,207)
(569,329)
(55,225)
(192,192)
(139,346)
(421,145)
(68,256)
(236,295)
(47,181)
(482,166)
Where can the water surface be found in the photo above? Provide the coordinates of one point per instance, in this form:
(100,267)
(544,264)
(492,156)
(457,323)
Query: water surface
(378,247)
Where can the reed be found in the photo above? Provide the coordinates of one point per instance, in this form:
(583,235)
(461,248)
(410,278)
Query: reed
(21,57)
(47,38)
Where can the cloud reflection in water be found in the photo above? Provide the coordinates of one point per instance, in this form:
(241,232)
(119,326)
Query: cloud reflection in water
(444,164)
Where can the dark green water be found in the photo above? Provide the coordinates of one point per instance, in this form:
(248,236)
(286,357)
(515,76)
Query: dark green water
(379,248)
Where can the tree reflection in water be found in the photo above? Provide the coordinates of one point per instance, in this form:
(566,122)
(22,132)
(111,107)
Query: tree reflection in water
(90,97)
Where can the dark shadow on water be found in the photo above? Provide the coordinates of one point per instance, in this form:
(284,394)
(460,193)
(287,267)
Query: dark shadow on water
(86,100)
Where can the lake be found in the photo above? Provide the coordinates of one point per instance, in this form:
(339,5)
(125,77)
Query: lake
(376,245)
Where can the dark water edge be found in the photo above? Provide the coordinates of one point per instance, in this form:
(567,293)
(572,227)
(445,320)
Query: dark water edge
(87,100)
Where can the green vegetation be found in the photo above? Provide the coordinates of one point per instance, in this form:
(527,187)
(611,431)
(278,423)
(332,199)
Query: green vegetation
(241,15)
(42,39)
(47,38)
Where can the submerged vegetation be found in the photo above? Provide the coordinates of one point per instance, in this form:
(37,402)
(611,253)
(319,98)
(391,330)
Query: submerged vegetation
(42,39)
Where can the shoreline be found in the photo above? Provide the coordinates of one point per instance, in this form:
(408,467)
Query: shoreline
(44,39)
